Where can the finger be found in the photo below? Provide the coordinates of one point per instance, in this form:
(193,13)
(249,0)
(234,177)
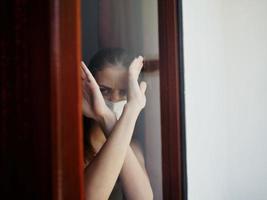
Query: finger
(136,62)
(139,66)
(134,73)
(88,73)
(135,67)
(83,67)
(83,75)
(143,86)
(133,63)
(92,84)
(139,62)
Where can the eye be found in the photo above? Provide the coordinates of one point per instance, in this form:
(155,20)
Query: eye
(105,91)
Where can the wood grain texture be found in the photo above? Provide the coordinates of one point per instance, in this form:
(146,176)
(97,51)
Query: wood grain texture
(41,137)
(151,65)
(25,106)
(171,111)
(66,100)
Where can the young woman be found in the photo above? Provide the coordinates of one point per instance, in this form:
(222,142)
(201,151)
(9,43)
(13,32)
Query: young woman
(113,99)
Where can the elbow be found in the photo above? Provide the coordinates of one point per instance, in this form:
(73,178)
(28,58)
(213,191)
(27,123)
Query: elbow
(94,193)
(95,196)
(150,195)
(146,194)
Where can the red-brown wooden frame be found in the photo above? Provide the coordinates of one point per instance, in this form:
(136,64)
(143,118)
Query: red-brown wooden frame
(67,134)
(172,139)
(41,133)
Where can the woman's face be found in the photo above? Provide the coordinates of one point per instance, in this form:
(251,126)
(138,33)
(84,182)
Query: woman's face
(112,80)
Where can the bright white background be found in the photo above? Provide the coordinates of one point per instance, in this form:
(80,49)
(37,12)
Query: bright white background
(225,47)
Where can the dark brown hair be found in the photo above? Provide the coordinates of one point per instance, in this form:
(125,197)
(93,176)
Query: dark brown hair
(114,56)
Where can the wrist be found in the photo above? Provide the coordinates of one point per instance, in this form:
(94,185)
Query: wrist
(107,121)
(132,108)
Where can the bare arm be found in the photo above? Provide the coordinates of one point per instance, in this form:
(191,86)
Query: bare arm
(134,178)
(133,175)
(103,171)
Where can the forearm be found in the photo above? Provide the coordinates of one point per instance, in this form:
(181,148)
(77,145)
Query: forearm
(107,122)
(136,184)
(133,175)
(103,171)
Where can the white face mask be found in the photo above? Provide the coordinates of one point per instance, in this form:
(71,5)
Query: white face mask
(116,107)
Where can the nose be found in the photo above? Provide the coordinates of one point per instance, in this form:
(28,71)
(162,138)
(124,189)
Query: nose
(115,96)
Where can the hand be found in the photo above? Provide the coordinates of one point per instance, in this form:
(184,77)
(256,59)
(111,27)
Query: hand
(136,92)
(93,103)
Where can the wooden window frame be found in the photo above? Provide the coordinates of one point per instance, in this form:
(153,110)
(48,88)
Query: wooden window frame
(41,46)
(172,100)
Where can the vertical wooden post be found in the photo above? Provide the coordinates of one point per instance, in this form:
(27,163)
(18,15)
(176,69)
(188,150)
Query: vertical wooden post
(171,100)
(66,105)
(41,137)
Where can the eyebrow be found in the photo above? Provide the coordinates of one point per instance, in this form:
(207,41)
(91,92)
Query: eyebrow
(106,87)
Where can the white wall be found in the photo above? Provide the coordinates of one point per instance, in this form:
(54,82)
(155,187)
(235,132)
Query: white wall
(225,46)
